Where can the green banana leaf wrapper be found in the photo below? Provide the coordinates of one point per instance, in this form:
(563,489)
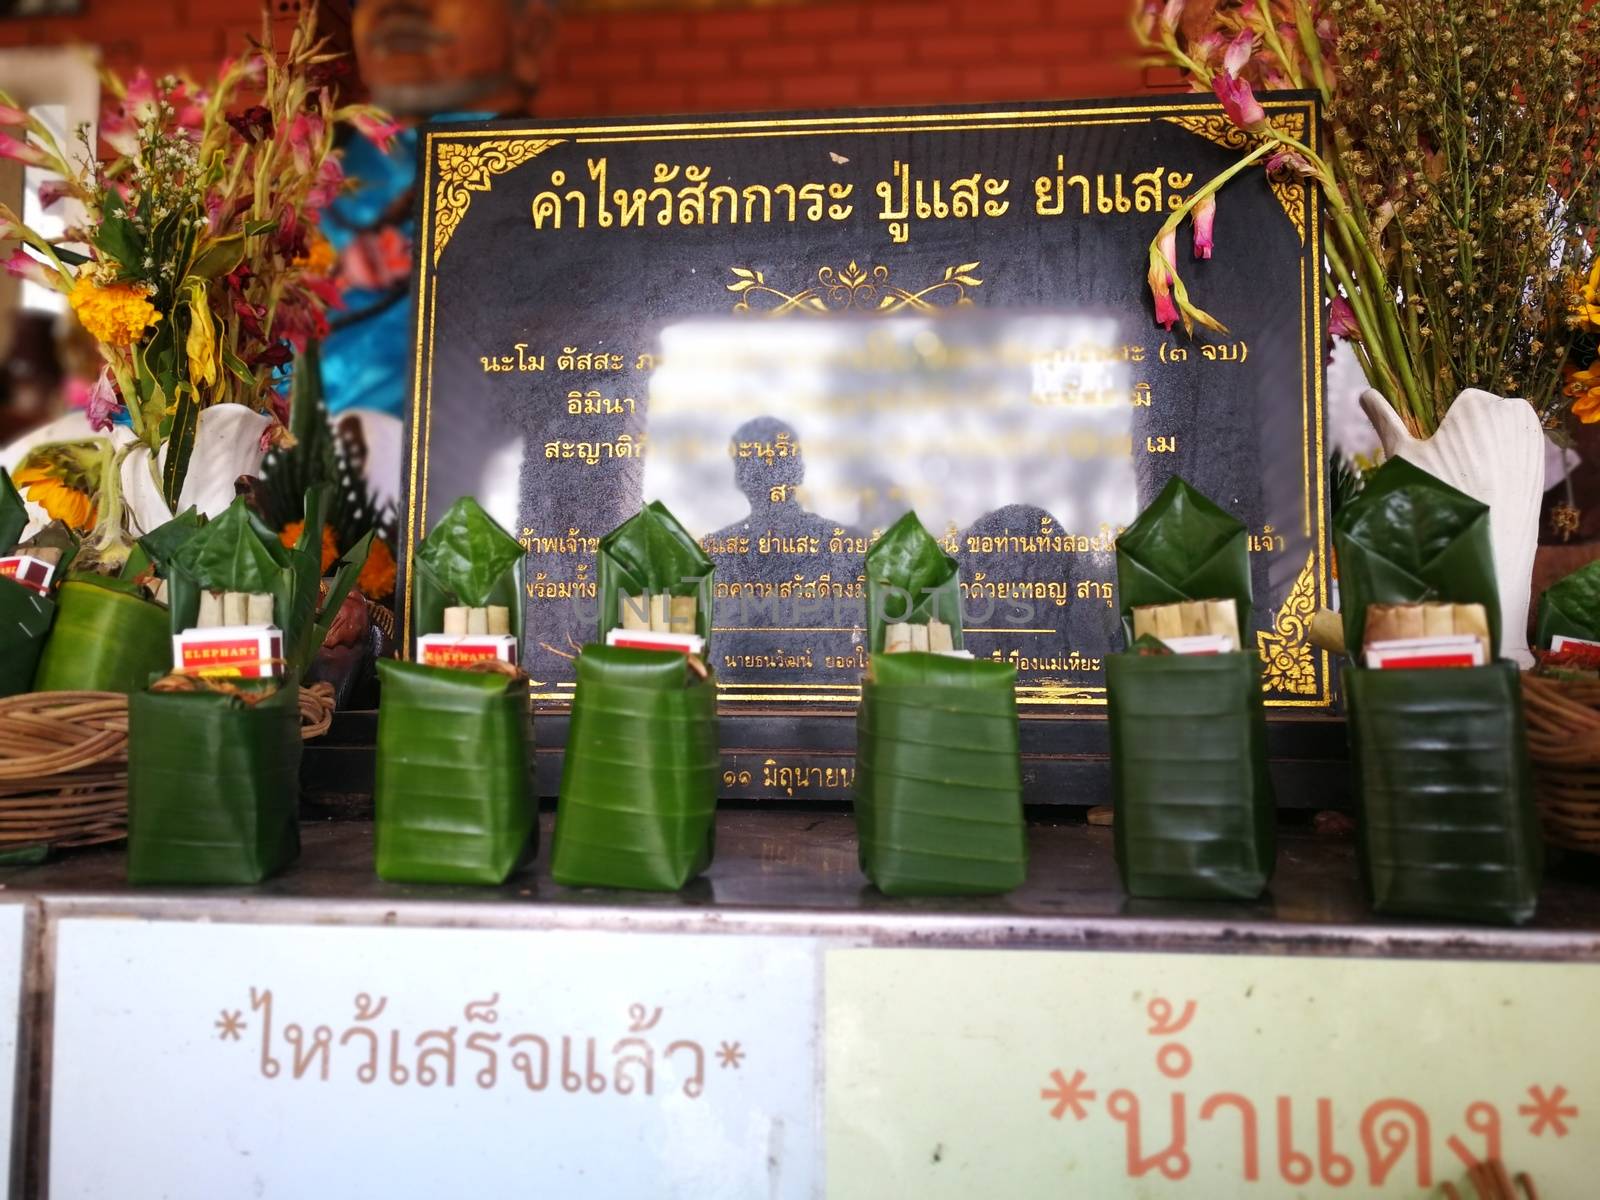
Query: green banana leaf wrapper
(1409,538)
(1184,547)
(1571,607)
(938,790)
(455,798)
(467,560)
(213,787)
(107,637)
(911,579)
(652,553)
(1448,824)
(13,513)
(25,618)
(1194,803)
(639,784)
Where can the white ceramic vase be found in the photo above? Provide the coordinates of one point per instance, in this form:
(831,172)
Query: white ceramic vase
(1491,448)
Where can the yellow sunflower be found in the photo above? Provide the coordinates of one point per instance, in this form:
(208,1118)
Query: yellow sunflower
(117,314)
(1583,387)
(56,496)
(377,576)
(330,548)
(1586,304)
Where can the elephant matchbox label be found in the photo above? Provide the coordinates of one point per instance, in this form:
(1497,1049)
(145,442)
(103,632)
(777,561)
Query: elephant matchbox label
(451,650)
(32,573)
(229,652)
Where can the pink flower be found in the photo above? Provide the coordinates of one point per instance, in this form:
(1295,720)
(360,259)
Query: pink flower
(1161,278)
(12,116)
(1291,161)
(22,151)
(1205,49)
(52,191)
(375,127)
(190,110)
(104,403)
(1237,56)
(1205,214)
(119,132)
(23,265)
(142,101)
(1239,102)
(304,130)
(1171,15)
(330,179)
(1342,320)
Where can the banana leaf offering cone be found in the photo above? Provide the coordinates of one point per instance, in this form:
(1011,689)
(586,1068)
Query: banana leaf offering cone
(1570,607)
(1448,825)
(638,798)
(1194,815)
(938,789)
(25,611)
(455,800)
(213,767)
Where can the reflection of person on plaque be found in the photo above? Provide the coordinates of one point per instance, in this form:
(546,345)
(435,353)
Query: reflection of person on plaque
(779,541)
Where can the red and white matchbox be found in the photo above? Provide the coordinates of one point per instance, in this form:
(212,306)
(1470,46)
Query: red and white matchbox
(30,572)
(1411,654)
(1199,643)
(1575,652)
(464,650)
(648,639)
(229,652)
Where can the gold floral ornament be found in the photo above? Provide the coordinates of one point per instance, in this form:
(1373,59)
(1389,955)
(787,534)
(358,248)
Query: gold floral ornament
(1286,650)
(116,314)
(854,289)
(1290,192)
(468,167)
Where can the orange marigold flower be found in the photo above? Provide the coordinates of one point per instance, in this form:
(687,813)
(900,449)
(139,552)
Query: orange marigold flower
(320,257)
(330,548)
(58,498)
(117,314)
(377,577)
(1583,388)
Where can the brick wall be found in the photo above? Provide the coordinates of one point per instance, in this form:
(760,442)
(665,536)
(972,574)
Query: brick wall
(816,54)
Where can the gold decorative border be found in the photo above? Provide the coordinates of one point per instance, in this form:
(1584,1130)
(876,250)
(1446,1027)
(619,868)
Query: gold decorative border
(1217,128)
(852,288)
(1286,650)
(467,167)
(434,151)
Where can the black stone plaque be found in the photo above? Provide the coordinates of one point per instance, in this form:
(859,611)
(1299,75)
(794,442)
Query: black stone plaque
(791,328)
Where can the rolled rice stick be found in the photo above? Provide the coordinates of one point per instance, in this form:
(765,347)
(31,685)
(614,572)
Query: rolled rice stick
(455,620)
(682,614)
(477,621)
(1222,620)
(1392,622)
(1194,618)
(1472,619)
(258,609)
(635,611)
(210,611)
(939,637)
(499,618)
(660,621)
(896,638)
(919,637)
(1438,620)
(1158,620)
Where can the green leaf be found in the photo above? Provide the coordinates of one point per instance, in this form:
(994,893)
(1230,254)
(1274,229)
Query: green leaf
(1570,607)
(107,637)
(219,258)
(1184,547)
(256,228)
(653,553)
(237,367)
(71,257)
(234,553)
(470,560)
(163,542)
(1410,538)
(911,579)
(13,513)
(180,444)
(116,237)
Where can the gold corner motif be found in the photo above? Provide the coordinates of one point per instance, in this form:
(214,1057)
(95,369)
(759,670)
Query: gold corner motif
(1217,128)
(1286,650)
(853,289)
(468,167)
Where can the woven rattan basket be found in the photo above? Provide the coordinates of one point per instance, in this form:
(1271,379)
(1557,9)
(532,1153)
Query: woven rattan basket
(64,765)
(1564,743)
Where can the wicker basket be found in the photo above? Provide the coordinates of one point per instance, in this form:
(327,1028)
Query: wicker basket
(64,765)
(1564,743)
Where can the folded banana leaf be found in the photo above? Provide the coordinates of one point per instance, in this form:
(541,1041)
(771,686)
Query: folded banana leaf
(1408,538)
(1194,805)
(1571,607)
(639,785)
(1448,825)
(466,560)
(106,638)
(13,513)
(938,792)
(213,787)
(25,618)
(911,579)
(1184,547)
(652,553)
(161,544)
(455,799)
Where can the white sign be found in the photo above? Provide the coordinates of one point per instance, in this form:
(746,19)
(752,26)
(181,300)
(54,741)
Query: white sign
(13,929)
(200,1061)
